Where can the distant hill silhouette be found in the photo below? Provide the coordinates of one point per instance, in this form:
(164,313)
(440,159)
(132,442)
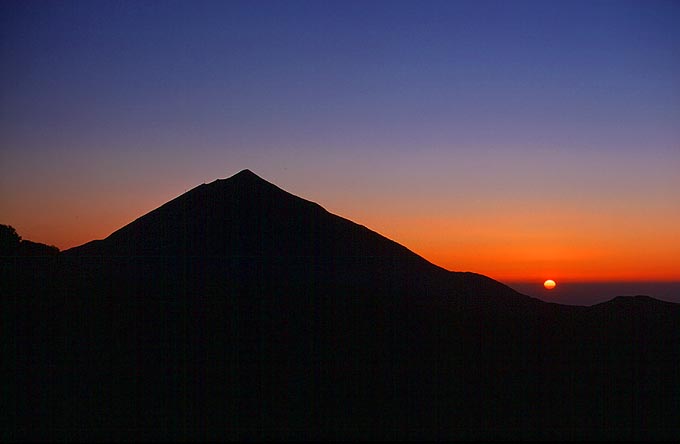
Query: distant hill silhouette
(240,311)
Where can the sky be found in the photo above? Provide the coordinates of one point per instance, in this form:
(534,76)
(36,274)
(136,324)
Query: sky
(524,140)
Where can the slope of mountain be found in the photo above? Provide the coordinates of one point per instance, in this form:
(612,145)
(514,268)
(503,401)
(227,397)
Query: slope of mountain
(239,311)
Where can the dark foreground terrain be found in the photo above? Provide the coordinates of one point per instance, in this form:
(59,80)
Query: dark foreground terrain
(239,311)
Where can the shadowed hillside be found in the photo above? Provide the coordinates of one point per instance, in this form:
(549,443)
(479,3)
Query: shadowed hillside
(238,311)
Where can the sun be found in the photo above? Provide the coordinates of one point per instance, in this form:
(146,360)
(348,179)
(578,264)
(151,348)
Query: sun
(549,284)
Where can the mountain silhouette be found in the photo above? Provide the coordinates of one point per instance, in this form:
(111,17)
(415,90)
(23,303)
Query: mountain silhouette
(242,216)
(250,222)
(240,311)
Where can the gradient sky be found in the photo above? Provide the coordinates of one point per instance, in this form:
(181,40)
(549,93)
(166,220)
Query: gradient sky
(523,140)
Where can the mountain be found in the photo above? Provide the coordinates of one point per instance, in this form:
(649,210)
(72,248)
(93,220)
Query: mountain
(247,217)
(240,311)
(249,225)
(242,216)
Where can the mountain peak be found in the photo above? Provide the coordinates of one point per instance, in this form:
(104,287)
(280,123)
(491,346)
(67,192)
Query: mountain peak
(246,174)
(245,216)
(245,177)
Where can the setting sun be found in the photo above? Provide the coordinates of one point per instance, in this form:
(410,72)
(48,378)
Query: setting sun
(549,284)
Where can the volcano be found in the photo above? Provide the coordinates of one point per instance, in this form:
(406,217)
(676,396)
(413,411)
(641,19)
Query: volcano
(240,311)
(246,217)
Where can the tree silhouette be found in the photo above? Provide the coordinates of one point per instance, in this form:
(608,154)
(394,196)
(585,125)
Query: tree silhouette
(9,240)
(11,244)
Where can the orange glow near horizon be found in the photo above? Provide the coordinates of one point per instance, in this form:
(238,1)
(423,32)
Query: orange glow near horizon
(505,240)
(505,253)
(568,246)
